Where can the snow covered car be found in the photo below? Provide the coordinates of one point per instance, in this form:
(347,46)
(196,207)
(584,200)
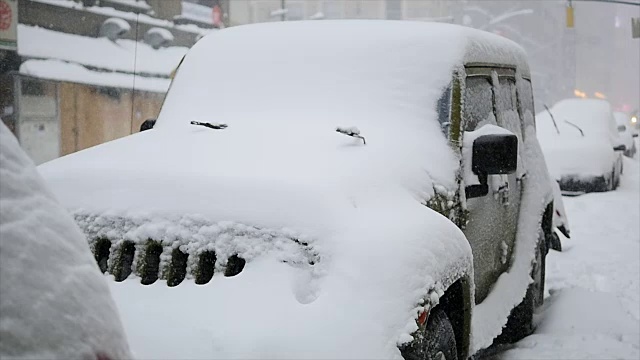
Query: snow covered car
(626,133)
(54,302)
(560,221)
(580,142)
(334,189)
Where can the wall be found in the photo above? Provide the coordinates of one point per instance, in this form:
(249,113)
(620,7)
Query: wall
(92,115)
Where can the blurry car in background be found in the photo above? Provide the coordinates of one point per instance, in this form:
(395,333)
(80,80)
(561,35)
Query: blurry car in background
(580,142)
(626,133)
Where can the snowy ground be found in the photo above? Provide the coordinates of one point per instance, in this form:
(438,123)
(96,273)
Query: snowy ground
(592,309)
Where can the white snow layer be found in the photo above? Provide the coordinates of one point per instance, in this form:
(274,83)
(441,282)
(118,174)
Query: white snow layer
(569,153)
(592,310)
(130,16)
(281,165)
(55,303)
(64,71)
(123,55)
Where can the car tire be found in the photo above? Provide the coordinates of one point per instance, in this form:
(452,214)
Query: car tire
(437,341)
(520,321)
(555,243)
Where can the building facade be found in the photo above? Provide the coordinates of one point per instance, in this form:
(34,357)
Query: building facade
(86,72)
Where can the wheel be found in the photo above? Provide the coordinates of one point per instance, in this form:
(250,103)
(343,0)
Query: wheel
(520,321)
(555,243)
(611,184)
(436,341)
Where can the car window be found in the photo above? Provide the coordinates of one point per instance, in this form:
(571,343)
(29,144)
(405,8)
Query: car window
(622,128)
(478,103)
(444,110)
(525,95)
(507,105)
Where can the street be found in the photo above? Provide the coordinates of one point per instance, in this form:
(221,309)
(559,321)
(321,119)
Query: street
(592,309)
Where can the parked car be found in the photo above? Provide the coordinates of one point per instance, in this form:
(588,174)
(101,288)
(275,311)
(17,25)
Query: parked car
(54,302)
(560,220)
(331,189)
(626,132)
(580,141)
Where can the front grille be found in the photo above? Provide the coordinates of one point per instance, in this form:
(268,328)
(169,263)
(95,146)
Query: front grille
(123,258)
(186,248)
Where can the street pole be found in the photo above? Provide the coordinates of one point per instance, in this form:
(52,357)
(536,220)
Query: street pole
(283,16)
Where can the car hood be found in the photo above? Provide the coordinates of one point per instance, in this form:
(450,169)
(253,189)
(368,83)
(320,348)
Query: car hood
(240,174)
(380,249)
(256,314)
(578,157)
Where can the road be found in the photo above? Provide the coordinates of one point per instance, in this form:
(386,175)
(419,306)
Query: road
(592,306)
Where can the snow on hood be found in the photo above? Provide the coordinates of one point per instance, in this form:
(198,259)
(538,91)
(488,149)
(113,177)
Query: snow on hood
(281,164)
(55,304)
(566,152)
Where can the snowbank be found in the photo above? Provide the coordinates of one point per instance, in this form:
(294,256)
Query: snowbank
(593,307)
(55,303)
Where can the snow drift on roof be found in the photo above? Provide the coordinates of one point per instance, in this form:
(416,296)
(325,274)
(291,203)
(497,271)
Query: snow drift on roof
(123,55)
(142,18)
(64,71)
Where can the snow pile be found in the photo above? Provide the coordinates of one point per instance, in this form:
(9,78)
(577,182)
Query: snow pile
(571,154)
(593,307)
(55,304)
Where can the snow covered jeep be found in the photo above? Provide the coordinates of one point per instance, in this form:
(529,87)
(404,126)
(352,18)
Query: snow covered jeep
(333,189)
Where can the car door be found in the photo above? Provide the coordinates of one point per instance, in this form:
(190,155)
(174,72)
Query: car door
(489,97)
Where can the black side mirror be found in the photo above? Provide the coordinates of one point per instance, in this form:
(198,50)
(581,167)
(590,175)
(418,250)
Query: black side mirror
(493,154)
(635,135)
(147,124)
(621,147)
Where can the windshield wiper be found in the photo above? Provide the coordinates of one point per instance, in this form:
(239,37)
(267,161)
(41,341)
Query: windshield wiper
(552,118)
(575,126)
(215,126)
(353,132)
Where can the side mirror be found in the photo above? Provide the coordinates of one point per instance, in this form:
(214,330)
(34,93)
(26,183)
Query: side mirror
(492,154)
(147,124)
(495,154)
(634,134)
(621,147)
